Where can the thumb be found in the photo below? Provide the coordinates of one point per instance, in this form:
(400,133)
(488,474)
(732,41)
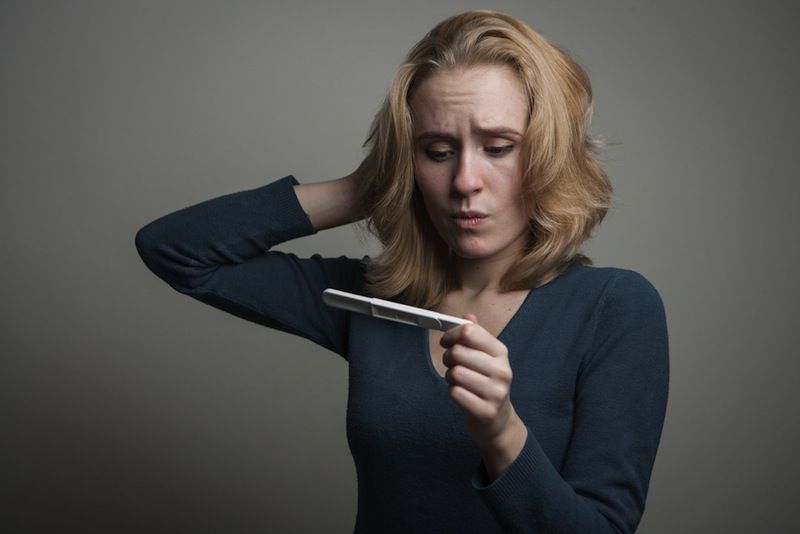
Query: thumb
(471,317)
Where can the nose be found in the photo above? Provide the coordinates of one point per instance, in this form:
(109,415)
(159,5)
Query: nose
(467,180)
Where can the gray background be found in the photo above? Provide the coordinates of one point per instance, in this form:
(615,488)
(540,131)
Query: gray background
(125,406)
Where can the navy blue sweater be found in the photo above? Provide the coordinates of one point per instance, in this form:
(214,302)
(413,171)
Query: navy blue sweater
(588,351)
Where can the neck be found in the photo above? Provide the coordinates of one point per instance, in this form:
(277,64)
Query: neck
(480,276)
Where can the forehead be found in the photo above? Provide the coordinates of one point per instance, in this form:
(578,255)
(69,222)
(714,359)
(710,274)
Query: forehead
(479,97)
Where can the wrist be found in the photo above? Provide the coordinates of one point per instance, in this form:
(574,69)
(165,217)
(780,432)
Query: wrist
(501,450)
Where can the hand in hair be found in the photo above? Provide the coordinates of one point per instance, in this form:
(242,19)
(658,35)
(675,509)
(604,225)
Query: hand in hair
(479,374)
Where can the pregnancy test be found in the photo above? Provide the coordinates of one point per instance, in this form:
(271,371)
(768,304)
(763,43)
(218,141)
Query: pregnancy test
(392,311)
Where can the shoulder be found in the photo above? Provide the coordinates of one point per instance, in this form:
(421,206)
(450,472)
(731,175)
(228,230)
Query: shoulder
(628,323)
(612,298)
(627,304)
(610,284)
(630,293)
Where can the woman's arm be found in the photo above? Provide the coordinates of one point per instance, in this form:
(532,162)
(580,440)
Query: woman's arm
(218,251)
(619,406)
(479,374)
(329,204)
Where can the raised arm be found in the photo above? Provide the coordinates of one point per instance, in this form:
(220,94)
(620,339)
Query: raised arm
(218,251)
(329,204)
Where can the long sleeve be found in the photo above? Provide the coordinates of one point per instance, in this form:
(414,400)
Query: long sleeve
(218,252)
(619,408)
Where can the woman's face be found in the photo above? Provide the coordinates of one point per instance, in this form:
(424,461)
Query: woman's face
(468,125)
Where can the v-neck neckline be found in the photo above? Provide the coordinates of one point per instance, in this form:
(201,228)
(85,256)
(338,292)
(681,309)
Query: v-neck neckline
(426,334)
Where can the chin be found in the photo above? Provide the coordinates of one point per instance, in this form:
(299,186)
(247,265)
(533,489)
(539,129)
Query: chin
(472,252)
(480,249)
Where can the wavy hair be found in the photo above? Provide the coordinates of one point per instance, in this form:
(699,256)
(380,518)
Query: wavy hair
(566,192)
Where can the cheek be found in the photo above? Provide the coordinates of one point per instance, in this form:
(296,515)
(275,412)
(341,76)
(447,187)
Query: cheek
(433,201)
(513,190)
(514,203)
(521,211)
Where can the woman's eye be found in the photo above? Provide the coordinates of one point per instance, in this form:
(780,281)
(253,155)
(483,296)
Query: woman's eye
(499,150)
(438,155)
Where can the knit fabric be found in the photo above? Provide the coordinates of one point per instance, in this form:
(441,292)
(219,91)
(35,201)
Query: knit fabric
(588,352)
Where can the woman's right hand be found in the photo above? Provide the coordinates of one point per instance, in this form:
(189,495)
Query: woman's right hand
(330,203)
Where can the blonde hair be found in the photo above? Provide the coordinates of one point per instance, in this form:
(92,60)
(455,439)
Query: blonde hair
(566,192)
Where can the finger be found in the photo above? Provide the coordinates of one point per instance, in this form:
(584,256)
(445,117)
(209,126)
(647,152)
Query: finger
(479,361)
(457,333)
(478,384)
(475,336)
(467,356)
(473,404)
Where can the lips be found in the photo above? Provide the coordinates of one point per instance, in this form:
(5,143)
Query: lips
(469,219)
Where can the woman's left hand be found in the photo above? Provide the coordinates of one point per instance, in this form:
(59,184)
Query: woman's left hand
(479,375)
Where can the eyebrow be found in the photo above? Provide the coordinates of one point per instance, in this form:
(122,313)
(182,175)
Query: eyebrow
(489,132)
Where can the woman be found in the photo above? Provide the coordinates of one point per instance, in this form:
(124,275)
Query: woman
(544,414)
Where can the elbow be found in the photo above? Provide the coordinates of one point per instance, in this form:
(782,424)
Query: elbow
(147,247)
(142,242)
(170,263)
(144,245)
